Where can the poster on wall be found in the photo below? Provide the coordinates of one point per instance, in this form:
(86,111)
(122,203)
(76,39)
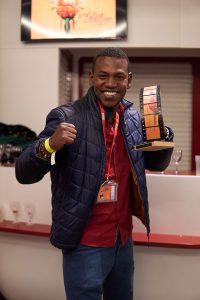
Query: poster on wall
(73,19)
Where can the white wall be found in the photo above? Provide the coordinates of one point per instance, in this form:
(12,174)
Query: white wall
(31,269)
(173,205)
(29,72)
(159,23)
(29,85)
(167,274)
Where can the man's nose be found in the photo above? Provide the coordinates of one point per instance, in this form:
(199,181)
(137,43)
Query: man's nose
(111,82)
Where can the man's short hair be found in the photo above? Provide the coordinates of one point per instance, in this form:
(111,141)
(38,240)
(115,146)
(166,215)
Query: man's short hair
(111,52)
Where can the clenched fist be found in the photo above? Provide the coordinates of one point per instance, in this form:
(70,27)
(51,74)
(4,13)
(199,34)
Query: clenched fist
(65,133)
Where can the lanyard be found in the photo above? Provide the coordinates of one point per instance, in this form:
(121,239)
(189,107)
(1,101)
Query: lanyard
(107,173)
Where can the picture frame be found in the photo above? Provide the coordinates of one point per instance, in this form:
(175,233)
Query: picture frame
(66,20)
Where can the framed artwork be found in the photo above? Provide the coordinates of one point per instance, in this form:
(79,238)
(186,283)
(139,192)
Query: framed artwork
(73,19)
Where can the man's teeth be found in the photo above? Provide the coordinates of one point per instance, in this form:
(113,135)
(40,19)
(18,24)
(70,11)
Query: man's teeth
(110,93)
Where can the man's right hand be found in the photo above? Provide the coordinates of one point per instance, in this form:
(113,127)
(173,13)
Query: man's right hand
(65,133)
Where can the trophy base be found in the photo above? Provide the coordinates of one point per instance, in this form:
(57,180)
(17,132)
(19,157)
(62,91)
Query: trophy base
(154,146)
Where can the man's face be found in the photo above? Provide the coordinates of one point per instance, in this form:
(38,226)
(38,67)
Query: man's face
(110,80)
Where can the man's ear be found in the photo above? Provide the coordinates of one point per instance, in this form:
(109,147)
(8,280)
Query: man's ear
(130,77)
(91,77)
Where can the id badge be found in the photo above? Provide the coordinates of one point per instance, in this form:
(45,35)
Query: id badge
(107,192)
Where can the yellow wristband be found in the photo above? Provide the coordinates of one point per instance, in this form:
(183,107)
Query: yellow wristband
(47,146)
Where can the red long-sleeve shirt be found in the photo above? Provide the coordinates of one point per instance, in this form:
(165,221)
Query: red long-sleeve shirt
(107,217)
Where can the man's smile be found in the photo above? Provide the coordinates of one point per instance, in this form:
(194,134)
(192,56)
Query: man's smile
(109,93)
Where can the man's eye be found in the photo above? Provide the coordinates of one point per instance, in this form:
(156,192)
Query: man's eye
(102,76)
(120,77)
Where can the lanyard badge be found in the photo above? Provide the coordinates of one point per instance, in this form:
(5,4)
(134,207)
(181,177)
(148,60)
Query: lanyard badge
(107,192)
(108,189)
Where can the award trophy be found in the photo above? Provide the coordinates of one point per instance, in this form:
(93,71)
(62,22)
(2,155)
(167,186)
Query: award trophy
(152,121)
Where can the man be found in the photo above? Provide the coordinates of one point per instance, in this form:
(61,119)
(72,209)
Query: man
(98,181)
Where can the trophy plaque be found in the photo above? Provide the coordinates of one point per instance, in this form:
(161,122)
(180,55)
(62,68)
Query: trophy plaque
(153,128)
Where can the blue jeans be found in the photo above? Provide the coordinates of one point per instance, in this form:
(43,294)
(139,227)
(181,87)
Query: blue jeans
(92,272)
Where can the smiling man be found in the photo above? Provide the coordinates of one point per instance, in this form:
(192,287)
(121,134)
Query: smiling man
(98,181)
(110,78)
